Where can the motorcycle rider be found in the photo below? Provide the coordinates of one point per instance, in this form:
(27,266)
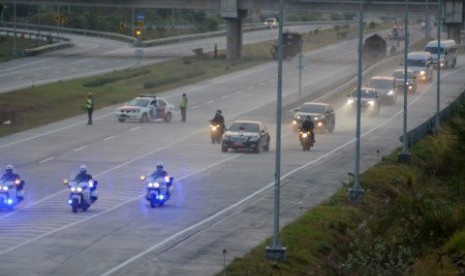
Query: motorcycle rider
(307,125)
(160,172)
(9,175)
(83,176)
(219,120)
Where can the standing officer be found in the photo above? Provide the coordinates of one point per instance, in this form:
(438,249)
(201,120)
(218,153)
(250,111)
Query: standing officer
(183,106)
(90,107)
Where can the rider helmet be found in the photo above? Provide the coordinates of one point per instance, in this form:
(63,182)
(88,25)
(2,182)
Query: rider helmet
(218,111)
(9,168)
(83,168)
(308,117)
(160,165)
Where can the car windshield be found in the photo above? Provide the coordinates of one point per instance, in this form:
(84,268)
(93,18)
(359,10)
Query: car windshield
(138,102)
(246,127)
(380,83)
(312,108)
(416,62)
(434,50)
(365,93)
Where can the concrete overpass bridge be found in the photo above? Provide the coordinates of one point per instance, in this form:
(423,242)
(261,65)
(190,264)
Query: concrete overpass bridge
(234,11)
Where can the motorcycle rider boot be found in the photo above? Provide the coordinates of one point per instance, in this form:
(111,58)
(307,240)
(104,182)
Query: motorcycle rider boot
(93,198)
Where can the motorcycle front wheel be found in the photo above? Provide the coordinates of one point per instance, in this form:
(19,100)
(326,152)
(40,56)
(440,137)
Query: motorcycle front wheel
(74,205)
(153,201)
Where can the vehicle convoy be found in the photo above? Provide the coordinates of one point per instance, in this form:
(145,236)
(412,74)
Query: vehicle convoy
(369,101)
(11,192)
(146,108)
(158,189)
(447,53)
(386,87)
(306,141)
(322,114)
(216,132)
(411,82)
(243,134)
(82,194)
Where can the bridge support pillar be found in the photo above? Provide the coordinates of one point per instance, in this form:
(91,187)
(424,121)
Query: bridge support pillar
(234,35)
(453,32)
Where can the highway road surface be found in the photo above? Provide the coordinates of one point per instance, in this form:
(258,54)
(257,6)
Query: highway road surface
(221,200)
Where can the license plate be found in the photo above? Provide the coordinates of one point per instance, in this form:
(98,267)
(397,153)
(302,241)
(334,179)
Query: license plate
(238,144)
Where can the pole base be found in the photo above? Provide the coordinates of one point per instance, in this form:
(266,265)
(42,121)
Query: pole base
(355,196)
(276,254)
(403,158)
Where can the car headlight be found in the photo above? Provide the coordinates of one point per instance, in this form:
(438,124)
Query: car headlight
(320,124)
(294,122)
(390,93)
(371,103)
(253,138)
(298,117)
(422,72)
(350,101)
(4,188)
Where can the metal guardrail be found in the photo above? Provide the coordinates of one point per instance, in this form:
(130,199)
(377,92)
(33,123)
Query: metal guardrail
(427,128)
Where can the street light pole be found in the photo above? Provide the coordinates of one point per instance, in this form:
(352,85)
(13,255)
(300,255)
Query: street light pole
(14,29)
(356,193)
(404,156)
(437,126)
(276,252)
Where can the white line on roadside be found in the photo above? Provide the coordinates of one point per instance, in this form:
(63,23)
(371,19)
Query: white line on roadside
(210,101)
(250,88)
(108,138)
(134,128)
(195,106)
(80,148)
(46,160)
(225,96)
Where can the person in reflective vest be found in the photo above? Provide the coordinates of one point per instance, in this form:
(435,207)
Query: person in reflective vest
(90,107)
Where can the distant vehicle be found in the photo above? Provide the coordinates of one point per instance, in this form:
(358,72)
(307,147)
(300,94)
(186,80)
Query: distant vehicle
(397,33)
(322,115)
(292,45)
(146,108)
(386,87)
(421,63)
(271,23)
(369,101)
(244,134)
(398,74)
(447,52)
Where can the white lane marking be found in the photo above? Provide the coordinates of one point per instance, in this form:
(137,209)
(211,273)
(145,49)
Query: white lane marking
(51,132)
(261,84)
(80,148)
(108,138)
(46,160)
(134,128)
(18,78)
(112,208)
(225,96)
(239,91)
(195,106)
(210,101)
(250,88)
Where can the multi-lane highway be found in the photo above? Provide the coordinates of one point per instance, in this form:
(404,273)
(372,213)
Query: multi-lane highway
(92,55)
(221,200)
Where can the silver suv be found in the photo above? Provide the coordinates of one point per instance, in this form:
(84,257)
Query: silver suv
(411,82)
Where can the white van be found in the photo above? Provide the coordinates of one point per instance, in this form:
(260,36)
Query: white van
(421,63)
(447,53)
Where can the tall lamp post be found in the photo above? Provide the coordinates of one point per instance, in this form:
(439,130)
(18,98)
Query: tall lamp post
(437,126)
(404,156)
(276,252)
(356,193)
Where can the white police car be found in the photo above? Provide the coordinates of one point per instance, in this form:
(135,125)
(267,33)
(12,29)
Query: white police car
(146,108)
